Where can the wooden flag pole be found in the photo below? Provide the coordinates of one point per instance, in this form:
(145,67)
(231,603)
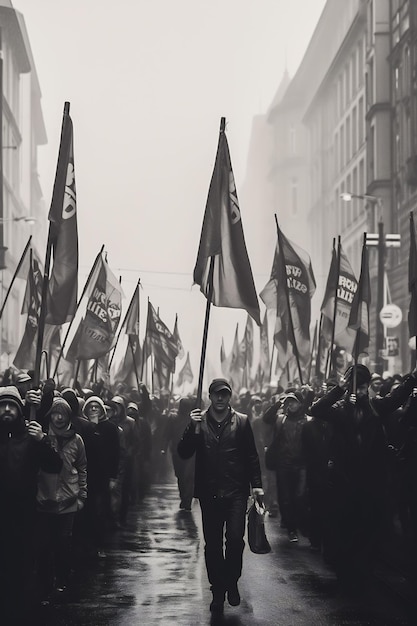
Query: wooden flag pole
(19,265)
(77,369)
(205,333)
(87,284)
(312,351)
(357,339)
(339,246)
(319,347)
(135,367)
(287,297)
(45,284)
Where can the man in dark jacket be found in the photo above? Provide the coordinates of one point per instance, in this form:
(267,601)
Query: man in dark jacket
(357,469)
(226,466)
(24,450)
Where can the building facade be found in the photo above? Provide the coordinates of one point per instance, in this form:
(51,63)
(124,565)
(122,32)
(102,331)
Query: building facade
(22,132)
(347,124)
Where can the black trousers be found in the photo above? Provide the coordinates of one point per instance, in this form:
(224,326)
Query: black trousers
(224,521)
(291,487)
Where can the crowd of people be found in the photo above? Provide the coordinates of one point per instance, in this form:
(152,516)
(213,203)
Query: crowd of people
(342,456)
(337,463)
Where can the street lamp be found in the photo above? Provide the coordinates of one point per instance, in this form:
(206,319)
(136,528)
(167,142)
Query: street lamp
(378,240)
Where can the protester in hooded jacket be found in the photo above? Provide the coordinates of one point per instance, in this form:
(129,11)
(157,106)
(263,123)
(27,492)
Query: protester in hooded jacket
(130,439)
(358,470)
(82,530)
(183,468)
(59,497)
(24,450)
(103,471)
(141,457)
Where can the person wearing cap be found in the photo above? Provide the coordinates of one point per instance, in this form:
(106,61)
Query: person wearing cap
(358,470)
(24,450)
(58,499)
(290,462)
(226,467)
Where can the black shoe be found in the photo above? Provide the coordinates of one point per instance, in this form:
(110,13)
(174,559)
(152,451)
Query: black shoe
(216,605)
(233,596)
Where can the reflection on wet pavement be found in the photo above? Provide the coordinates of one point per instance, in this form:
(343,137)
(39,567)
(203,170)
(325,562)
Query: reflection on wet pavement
(154,574)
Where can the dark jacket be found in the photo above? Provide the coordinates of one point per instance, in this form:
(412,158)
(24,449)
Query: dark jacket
(227,461)
(21,458)
(358,448)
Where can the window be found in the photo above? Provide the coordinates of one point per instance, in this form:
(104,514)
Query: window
(348,152)
(354,130)
(361,122)
(354,72)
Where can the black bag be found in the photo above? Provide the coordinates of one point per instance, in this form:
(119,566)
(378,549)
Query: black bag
(258,543)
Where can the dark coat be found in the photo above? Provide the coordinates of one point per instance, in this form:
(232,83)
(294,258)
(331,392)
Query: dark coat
(21,458)
(227,462)
(358,450)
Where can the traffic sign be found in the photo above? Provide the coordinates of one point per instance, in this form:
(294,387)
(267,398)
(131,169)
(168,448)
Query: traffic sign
(392,240)
(390,315)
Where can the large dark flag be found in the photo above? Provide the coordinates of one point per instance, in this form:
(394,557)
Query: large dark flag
(342,276)
(412,280)
(63,234)
(222,240)
(292,281)
(160,341)
(359,314)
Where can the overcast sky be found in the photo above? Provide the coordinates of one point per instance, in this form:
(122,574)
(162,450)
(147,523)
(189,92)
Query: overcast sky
(148,82)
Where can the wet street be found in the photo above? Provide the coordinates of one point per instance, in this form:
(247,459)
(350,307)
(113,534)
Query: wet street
(154,573)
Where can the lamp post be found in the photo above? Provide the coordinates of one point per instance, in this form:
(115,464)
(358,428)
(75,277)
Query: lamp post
(380,240)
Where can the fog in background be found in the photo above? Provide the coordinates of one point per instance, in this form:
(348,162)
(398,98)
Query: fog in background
(148,83)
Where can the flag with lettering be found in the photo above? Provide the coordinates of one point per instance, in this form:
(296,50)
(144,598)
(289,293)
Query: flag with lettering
(63,233)
(359,313)
(102,317)
(342,276)
(222,240)
(291,283)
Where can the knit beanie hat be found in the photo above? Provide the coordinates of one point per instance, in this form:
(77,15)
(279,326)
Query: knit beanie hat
(59,405)
(91,399)
(11,394)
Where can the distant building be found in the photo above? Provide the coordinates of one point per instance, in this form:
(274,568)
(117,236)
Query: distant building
(22,132)
(347,122)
